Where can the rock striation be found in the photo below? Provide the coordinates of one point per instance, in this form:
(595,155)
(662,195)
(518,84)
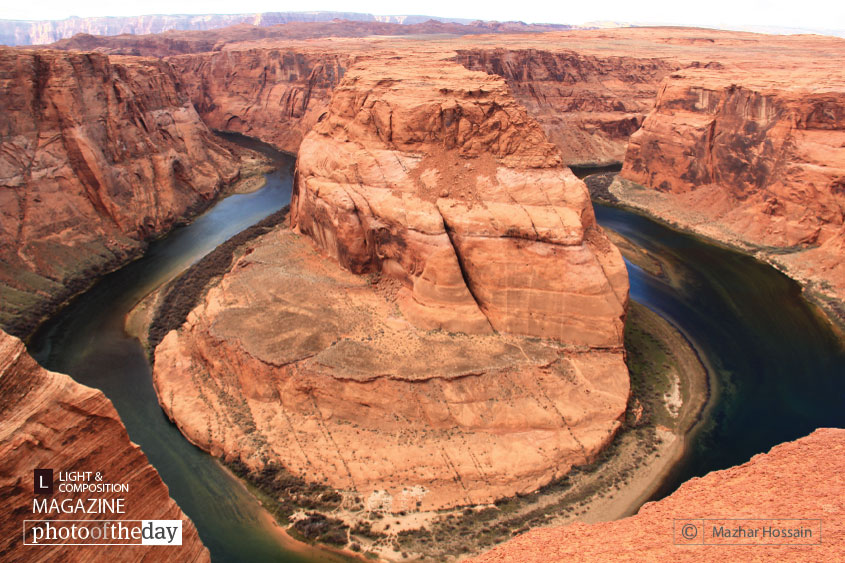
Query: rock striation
(96,155)
(588,105)
(49,421)
(463,341)
(437,178)
(754,159)
(273,94)
(800,479)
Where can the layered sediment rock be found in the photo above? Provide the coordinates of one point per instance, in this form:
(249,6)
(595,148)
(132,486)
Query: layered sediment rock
(588,106)
(49,421)
(275,95)
(797,480)
(754,159)
(406,369)
(436,177)
(96,155)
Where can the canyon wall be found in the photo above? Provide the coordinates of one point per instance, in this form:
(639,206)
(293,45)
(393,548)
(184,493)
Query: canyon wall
(96,155)
(754,159)
(588,105)
(800,479)
(273,94)
(47,420)
(449,329)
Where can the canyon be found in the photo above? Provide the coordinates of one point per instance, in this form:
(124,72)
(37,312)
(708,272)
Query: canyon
(50,421)
(97,155)
(439,322)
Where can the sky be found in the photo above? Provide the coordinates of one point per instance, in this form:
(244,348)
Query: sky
(812,14)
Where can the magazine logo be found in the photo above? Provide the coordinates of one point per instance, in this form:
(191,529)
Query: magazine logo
(43,481)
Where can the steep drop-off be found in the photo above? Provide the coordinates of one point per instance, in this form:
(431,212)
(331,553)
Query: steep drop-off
(754,159)
(406,370)
(796,480)
(49,421)
(96,155)
(588,105)
(275,95)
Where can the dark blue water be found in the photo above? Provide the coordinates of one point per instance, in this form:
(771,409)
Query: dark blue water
(779,368)
(87,341)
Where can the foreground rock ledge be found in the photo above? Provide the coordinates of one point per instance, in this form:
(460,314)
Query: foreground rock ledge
(800,479)
(49,421)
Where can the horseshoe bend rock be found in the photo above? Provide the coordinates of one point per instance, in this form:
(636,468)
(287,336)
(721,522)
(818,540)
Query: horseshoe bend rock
(454,348)
(433,175)
(47,420)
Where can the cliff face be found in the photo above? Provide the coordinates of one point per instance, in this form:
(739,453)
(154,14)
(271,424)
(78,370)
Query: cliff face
(753,159)
(588,105)
(96,155)
(442,206)
(801,479)
(49,421)
(275,95)
(439,179)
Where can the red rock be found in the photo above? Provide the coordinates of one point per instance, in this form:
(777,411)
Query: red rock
(800,479)
(47,420)
(97,155)
(514,244)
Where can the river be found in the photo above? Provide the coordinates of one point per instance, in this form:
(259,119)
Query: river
(779,368)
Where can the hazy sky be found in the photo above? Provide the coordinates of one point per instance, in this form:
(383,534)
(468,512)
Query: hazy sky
(818,14)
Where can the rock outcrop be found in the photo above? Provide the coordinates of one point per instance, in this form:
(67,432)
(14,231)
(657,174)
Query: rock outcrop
(754,159)
(437,178)
(275,95)
(588,105)
(47,420)
(96,155)
(797,480)
(462,342)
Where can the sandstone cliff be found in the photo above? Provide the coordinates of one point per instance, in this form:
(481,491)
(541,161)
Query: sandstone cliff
(588,105)
(801,479)
(96,155)
(436,177)
(752,158)
(406,369)
(49,421)
(273,94)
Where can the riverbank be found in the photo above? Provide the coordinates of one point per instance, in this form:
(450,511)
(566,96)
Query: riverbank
(658,207)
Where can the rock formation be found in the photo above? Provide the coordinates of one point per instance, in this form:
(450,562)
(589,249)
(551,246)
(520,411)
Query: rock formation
(753,158)
(275,95)
(47,420)
(97,155)
(463,341)
(800,479)
(436,177)
(588,105)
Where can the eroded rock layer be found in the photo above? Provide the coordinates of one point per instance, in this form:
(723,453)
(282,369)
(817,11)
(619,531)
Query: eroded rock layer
(797,480)
(433,175)
(462,341)
(96,155)
(588,105)
(275,95)
(754,159)
(291,359)
(47,420)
